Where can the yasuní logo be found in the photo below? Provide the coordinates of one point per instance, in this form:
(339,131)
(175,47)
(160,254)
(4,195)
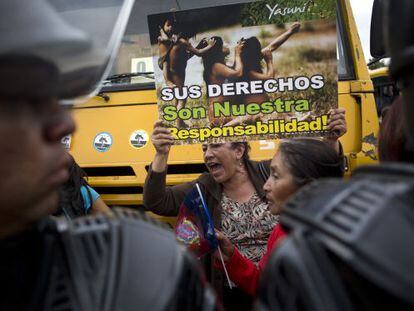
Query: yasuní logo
(276,10)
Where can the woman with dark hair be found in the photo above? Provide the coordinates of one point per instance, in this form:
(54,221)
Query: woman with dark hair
(233,190)
(296,163)
(174,52)
(217,72)
(251,58)
(77,198)
(392,138)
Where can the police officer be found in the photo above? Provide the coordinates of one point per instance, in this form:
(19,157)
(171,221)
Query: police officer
(49,51)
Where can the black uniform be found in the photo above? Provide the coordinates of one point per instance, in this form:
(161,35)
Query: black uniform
(127,262)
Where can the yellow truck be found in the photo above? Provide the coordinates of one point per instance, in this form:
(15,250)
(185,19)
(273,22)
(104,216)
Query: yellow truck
(385,89)
(112,141)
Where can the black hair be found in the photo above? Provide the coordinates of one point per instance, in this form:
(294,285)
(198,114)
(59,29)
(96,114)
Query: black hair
(173,23)
(251,55)
(214,55)
(392,138)
(71,203)
(181,26)
(308,159)
(247,148)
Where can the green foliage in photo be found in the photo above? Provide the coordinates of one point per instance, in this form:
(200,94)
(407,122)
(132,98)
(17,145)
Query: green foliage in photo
(258,13)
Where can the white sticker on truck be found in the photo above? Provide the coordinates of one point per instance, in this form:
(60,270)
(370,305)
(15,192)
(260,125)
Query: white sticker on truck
(102,142)
(138,139)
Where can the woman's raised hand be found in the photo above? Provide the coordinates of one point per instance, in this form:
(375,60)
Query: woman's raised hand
(161,138)
(337,126)
(267,55)
(239,46)
(337,122)
(211,42)
(174,38)
(295,27)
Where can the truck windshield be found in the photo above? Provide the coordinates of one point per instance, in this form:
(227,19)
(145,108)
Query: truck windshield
(133,67)
(345,64)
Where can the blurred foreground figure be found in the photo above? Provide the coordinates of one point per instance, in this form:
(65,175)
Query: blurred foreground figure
(49,51)
(350,246)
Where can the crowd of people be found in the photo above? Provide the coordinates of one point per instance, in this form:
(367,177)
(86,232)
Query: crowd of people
(246,198)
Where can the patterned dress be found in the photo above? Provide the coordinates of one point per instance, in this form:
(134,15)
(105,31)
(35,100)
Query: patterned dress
(248,225)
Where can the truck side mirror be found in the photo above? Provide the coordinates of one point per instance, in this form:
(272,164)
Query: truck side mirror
(377,30)
(399,34)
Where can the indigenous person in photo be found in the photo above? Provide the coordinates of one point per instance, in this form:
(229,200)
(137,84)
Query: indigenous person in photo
(174,53)
(251,93)
(251,57)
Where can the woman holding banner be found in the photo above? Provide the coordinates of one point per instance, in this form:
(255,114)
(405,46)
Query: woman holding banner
(233,189)
(297,163)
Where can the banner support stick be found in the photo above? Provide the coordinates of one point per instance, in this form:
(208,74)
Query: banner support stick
(224,267)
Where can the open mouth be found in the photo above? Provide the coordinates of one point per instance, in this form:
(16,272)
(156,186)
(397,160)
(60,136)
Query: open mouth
(214,167)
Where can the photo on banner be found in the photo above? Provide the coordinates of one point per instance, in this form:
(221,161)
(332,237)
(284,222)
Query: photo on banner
(251,71)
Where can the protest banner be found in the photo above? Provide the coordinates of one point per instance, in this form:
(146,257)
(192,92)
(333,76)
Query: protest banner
(250,71)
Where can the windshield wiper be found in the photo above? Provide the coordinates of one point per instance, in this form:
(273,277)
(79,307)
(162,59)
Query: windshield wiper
(126,77)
